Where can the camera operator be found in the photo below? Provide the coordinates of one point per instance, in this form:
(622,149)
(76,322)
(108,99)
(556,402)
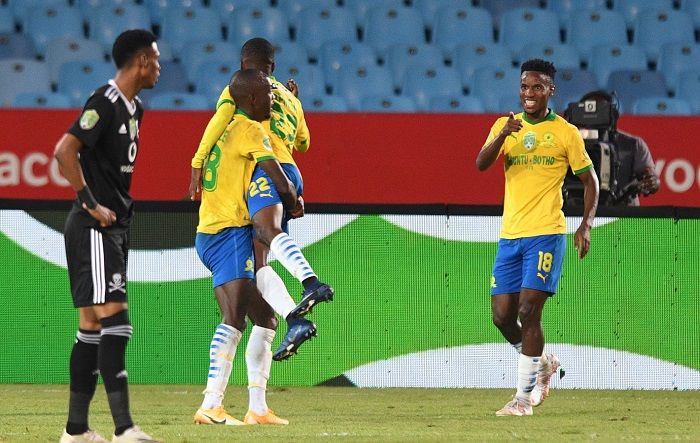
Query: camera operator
(635,167)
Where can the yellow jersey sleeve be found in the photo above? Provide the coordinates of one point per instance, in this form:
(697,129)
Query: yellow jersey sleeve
(303,139)
(495,130)
(579,160)
(225,108)
(256,143)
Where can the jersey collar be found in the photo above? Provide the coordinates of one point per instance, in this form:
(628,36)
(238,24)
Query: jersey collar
(239,111)
(549,117)
(130,105)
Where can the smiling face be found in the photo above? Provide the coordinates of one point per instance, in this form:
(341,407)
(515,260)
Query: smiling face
(535,90)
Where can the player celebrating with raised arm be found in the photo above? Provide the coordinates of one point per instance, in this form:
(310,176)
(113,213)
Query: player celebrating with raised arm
(538,146)
(97,157)
(288,132)
(224,240)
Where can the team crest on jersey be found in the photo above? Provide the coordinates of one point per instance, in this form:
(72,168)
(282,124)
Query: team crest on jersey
(266,143)
(529,140)
(133,128)
(89,119)
(548,140)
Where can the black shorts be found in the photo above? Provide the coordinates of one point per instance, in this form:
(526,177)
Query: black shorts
(96,263)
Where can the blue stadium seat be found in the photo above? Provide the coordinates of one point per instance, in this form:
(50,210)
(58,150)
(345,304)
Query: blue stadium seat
(246,23)
(108,21)
(226,7)
(605,59)
(654,28)
(630,9)
(89,7)
(661,106)
(22,75)
(518,25)
(289,52)
(565,9)
(324,103)
(212,79)
(688,88)
(173,78)
(337,56)
(317,25)
(16,46)
(51,22)
(201,53)
(65,50)
(630,85)
(45,100)
(387,26)
(563,56)
(292,8)
(456,25)
(499,7)
(572,84)
(356,84)
(429,8)
(388,103)
(7,20)
(359,8)
(401,58)
(456,103)
(692,8)
(590,29)
(77,79)
(179,101)
(187,25)
(423,84)
(309,77)
(471,57)
(675,59)
(158,9)
(490,84)
(22,8)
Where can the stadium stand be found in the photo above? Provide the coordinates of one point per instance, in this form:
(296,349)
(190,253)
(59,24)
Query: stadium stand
(46,23)
(490,84)
(606,59)
(518,25)
(46,100)
(179,101)
(201,53)
(388,103)
(600,27)
(458,25)
(337,56)
(563,56)
(572,84)
(182,26)
(654,28)
(14,45)
(246,23)
(471,57)
(630,9)
(429,8)
(450,103)
(402,57)
(319,24)
(630,85)
(424,84)
(565,9)
(77,79)
(661,106)
(689,88)
(22,75)
(386,26)
(68,49)
(108,21)
(324,103)
(365,81)
(675,59)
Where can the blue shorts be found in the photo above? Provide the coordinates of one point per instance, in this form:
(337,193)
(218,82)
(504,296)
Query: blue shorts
(263,193)
(227,254)
(529,262)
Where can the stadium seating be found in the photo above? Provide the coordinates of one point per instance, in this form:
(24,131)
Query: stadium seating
(386,26)
(14,45)
(344,55)
(308,77)
(692,8)
(630,9)
(22,8)
(179,101)
(652,29)
(675,59)
(605,59)
(246,23)
(563,56)
(317,25)
(157,9)
(490,84)
(173,78)
(602,27)
(454,103)
(471,57)
(423,84)
(51,22)
(46,100)
(518,25)
(455,25)
(689,88)
(211,80)
(388,103)
(362,82)
(289,52)
(565,9)
(402,57)
(359,8)
(324,103)
(181,26)
(7,20)
(108,21)
(630,85)
(77,79)
(661,106)
(64,50)
(196,54)
(499,7)
(292,8)
(22,75)
(429,8)
(572,84)
(89,7)
(224,8)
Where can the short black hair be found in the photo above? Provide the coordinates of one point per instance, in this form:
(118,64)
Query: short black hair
(539,65)
(129,43)
(258,50)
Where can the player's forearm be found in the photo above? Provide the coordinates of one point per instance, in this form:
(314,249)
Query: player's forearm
(489,153)
(590,198)
(66,154)
(215,127)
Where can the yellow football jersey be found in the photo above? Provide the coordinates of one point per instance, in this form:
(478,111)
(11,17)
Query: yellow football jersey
(286,127)
(229,169)
(536,161)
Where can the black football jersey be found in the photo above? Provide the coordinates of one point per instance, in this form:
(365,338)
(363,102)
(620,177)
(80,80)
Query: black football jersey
(109,130)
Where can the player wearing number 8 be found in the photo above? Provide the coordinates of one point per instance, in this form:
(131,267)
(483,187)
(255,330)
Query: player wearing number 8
(538,147)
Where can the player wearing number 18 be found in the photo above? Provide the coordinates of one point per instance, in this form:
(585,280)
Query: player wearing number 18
(538,147)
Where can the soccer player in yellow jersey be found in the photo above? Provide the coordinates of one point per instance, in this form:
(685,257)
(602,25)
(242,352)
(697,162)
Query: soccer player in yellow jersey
(224,243)
(538,147)
(288,132)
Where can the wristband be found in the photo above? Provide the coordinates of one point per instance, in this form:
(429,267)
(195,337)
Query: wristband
(85,196)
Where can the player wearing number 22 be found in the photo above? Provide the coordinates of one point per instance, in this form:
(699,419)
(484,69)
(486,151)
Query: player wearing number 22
(538,147)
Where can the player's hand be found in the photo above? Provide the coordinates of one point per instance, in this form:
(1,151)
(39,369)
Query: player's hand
(293,87)
(298,210)
(195,183)
(105,216)
(650,182)
(582,240)
(512,125)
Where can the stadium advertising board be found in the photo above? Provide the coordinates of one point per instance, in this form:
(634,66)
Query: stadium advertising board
(354,158)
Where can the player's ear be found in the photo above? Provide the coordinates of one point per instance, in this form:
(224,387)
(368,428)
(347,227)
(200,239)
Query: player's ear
(552,90)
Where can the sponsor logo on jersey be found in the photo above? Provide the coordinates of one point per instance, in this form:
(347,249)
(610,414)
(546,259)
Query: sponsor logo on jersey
(529,140)
(89,119)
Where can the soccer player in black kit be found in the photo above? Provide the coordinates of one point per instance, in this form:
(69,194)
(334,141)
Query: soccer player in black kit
(97,157)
